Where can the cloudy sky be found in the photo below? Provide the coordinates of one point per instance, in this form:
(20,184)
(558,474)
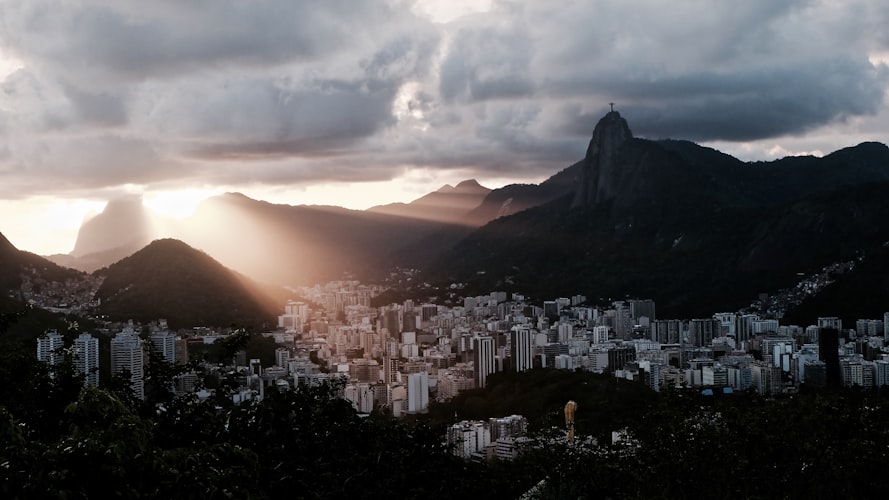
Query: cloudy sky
(356,103)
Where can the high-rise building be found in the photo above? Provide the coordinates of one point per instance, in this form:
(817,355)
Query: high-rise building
(483,357)
(295,316)
(702,331)
(600,334)
(828,351)
(361,396)
(417,392)
(49,348)
(623,321)
(642,309)
(881,373)
(469,438)
(521,348)
(830,322)
(428,311)
(727,323)
(886,326)
(667,331)
(181,351)
(282,357)
(127,354)
(716,375)
(164,344)
(86,358)
(565,332)
(815,373)
(551,310)
(744,327)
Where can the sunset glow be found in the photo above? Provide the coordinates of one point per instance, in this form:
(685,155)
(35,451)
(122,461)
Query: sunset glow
(385,102)
(176,204)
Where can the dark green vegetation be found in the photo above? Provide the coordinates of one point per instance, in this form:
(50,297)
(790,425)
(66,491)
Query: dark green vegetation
(169,279)
(539,395)
(820,445)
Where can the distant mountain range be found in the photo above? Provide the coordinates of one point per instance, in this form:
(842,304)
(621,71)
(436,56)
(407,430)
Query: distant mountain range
(689,226)
(695,229)
(450,204)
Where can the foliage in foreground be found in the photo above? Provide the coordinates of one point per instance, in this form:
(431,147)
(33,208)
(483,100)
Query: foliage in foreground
(308,443)
(812,445)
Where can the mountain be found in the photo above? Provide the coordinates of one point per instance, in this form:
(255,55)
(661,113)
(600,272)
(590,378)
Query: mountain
(95,260)
(124,223)
(514,198)
(17,265)
(169,279)
(693,228)
(302,244)
(449,204)
(122,228)
(286,244)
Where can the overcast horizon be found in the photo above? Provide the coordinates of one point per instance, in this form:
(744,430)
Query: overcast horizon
(363,103)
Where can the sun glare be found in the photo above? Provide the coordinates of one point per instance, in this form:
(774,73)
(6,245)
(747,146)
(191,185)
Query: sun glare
(46,225)
(176,204)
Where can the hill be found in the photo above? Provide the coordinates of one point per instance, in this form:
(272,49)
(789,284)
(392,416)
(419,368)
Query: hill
(168,279)
(21,274)
(862,293)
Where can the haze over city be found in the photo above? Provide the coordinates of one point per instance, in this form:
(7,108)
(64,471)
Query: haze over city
(356,105)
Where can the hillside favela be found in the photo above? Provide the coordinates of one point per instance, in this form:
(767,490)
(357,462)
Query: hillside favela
(414,250)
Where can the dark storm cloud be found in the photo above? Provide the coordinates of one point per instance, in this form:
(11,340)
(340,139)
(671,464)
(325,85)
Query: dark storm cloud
(771,102)
(271,91)
(487,62)
(251,118)
(754,71)
(166,37)
(100,108)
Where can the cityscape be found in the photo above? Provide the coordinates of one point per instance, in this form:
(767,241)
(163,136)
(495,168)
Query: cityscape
(399,357)
(444,249)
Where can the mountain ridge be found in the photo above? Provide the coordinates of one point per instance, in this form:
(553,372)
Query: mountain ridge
(691,227)
(683,223)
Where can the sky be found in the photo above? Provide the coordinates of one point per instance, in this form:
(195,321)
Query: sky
(359,103)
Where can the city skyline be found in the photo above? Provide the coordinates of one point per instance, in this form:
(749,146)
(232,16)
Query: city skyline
(358,105)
